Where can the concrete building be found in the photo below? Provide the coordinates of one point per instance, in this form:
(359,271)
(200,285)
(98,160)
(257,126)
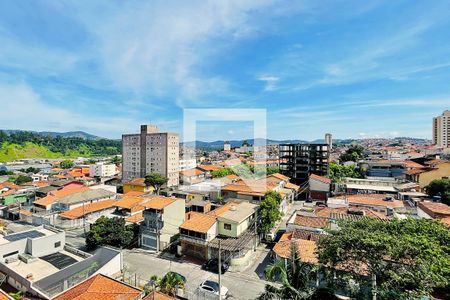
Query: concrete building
(162,218)
(329,140)
(226,146)
(150,151)
(186,164)
(298,161)
(441,130)
(101,169)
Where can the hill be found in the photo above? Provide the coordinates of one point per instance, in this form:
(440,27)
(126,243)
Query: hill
(79,134)
(26,144)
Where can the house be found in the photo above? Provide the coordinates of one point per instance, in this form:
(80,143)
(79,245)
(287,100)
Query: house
(101,287)
(237,219)
(311,223)
(192,176)
(377,202)
(208,169)
(384,168)
(137,185)
(81,198)
(307,249)
(38,262)
(162,218)
(101,169)
(319,187)
(88,213)
(46,203)
(433,210)
(435,169)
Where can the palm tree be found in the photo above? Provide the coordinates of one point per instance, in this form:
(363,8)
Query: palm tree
(168,284)
(295,276)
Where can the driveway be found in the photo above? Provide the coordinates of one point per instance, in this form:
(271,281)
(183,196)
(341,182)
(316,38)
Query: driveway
(140,266)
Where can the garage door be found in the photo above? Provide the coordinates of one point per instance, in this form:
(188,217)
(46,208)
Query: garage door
(148,241)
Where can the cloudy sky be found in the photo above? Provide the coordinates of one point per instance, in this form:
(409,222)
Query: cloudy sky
(352,68)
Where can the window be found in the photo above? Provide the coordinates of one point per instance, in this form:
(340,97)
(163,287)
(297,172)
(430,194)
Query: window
(10,254)
(57,244)
(227,226)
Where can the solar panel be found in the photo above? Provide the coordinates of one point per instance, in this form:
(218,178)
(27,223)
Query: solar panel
(23,235)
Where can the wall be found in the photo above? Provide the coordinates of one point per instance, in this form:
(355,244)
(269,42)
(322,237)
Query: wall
(442,171)
(46,245)
(173,217)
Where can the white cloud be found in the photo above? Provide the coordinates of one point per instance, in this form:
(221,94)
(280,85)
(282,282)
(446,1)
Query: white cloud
(270,82)
(23,108)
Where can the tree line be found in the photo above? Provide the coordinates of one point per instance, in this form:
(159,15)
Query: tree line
(64,144)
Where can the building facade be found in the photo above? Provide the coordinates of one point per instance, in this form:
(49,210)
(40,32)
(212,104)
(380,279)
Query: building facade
(150,151)
(441,130)
(298,161)
(102,170)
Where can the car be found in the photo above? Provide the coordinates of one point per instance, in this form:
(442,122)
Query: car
(321,204)
(212,287)
(213,266)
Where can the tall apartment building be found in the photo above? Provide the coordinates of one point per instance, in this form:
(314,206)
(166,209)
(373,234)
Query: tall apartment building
(298,161)
(441,130)
(150,151)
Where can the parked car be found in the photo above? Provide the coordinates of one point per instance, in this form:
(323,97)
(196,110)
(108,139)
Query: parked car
(213,266)
(212,287)
(321,204)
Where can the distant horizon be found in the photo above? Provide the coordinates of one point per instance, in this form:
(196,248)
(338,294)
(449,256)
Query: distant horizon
(231,140)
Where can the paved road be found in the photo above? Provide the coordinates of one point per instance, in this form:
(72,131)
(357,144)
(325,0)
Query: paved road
(140,266)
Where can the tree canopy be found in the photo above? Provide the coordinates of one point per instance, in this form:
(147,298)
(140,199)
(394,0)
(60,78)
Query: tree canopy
(22,179)
(111,231)
(269,212)
(338,172)
(406,259)
(353,153)
(66,164)
(155,180)
(440,187)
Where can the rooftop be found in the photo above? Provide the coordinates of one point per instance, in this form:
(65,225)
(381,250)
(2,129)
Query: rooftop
(85,196)
(239,212)
(198,222)
(313,222)
(435,207)
(87,209)
(373,200)
(306,249)
(101,287)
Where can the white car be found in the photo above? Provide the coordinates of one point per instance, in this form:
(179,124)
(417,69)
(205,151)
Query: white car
(212,287)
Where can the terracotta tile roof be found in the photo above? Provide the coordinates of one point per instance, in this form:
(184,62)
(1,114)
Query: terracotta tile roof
(320,178)
(313,222)
(232,177)
(100,287)
(53,196)
(417,171)
(436,162)
(191,172)
(221,210)
(292,186)
(25,213)
(79,211)
(373,200)
(159,202)
(5,296)
(280,176)
(440,209)
(445,221)
(306,249)
(158,296)
(129,202)
(327,211)
(136,181)
(305,235)
(136,218)
(413,165)
(198,222)
(133,194)
(208,168)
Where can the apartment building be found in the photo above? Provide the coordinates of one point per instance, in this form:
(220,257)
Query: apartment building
(298,161)
(441,130)
(150,151)
(101,169)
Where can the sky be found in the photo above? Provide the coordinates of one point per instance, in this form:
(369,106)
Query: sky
(355,69)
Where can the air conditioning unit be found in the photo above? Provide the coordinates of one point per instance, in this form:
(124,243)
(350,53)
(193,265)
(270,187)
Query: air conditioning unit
(27,258)
(10,260)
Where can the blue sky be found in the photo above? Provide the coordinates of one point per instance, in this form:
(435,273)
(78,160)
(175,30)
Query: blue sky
(352,68)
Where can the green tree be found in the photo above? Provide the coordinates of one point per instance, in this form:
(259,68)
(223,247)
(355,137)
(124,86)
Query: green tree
(168,284)
(22,179)
(338,172)
(66,164)
(19,295)
(111,231)
(269,212)
(404,259)
(296,277)
(155,180)
(354,153)
(439,187)
(116,160)
(222,172)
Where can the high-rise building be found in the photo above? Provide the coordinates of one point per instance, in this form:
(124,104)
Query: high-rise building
(441,130)
(150,151)
(329,140)
(298,161)
(226,146)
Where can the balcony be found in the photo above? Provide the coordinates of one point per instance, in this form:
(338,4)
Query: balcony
(193,240)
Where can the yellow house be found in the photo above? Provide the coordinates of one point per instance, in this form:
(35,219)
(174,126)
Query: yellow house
(423,177)
(137,185)
(237,220)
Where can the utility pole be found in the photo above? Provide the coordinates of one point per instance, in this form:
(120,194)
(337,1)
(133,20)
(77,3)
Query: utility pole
(84,220)
(256,229)
(219,271)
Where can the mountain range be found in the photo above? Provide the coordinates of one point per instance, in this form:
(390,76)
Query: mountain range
(79,134)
